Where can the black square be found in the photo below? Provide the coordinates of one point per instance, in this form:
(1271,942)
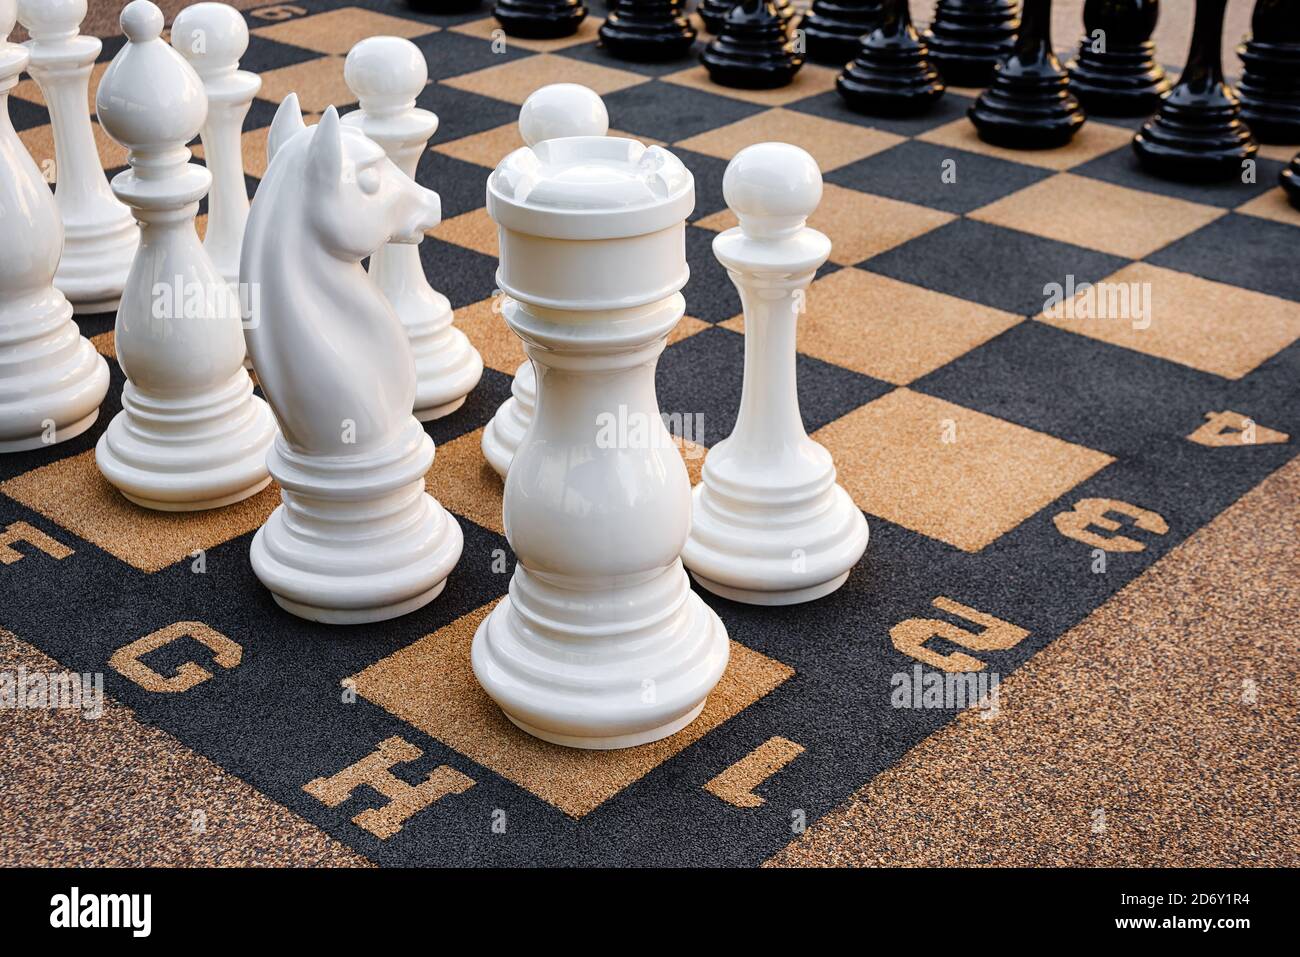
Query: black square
(26,115)
(998,267)
(914,172)
(454,54)
(263,55)
(830,105)
(668,112)
(1247,251)
(1121,167)
(461,186)
(703,374)
(595,53)
(709,293)
(462,275)
(461,113)
(708,172)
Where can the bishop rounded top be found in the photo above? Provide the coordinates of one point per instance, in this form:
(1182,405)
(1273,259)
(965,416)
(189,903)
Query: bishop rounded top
(560,110)
(49,18)
(385,73)
(773,183)
(150,98)
(212,36)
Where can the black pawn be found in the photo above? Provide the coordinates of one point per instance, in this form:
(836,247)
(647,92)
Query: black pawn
(832,29)
(753,51)
(1198,133)
(968,38)
(1290,180)
(648,31)
(539,19)
(1115,73)
(713,12)
(1270,86)
(1029,106)
(892,75)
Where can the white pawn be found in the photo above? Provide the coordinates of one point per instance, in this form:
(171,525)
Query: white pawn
(770,525)
(552,112)
(387,74)
(100,235)
(212,37)
(51,379)
(357,538)
(191,434)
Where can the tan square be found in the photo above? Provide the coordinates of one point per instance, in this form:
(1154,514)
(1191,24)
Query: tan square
(431,685)
(487,330)
(516,80)
(489,30)
(1096,215)
(1211,326)
(859,225)
(491,146)
(1272,205)
(1091,141)
(1279,153)
(888,329)
(72,493)
(832,144)
(474,230)
(893,459)
(464,483)
(318,83)
(337,31)
(105,344)
(39,141)
(809,81)
(30,90)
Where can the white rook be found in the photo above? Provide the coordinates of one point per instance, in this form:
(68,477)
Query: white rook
(100,236)
(560,109)
(771,526)
(212,37)
(387,74)
(601,643)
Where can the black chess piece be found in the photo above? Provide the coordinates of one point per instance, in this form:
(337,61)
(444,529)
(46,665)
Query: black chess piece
(1198,133)
(1115,72)
(832,29)
(712,12)
(1270,86)
(647,31)
(540,19)
(1029,105)
(968,38)
(753,50)
(1290,180)
(892,74)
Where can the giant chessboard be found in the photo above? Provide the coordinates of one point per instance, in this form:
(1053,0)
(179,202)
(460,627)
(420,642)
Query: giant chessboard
(1097,513)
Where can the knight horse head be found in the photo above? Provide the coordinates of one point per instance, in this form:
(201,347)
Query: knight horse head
(332,356)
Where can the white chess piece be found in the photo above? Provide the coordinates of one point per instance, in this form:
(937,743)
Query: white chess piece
(771,526)
(51,379)
(191,434)
(357,538)
(387,74)
(100,235)
(601,643)
(212,37)
(558,110)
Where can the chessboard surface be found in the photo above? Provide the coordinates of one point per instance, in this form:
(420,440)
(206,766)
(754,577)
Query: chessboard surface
(1098,512)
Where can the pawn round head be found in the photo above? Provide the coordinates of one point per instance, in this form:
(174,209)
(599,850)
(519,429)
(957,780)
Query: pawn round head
(386,73)
(46,18)
(212,36)
(772,187)
(562,110)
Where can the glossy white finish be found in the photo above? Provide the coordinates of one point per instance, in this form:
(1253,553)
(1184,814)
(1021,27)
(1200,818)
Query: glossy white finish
(387,74)
(357,538)
(771,526)
(191,434)
(100,235)
(51,378)
(212,37)
(601,642)
(558,110)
